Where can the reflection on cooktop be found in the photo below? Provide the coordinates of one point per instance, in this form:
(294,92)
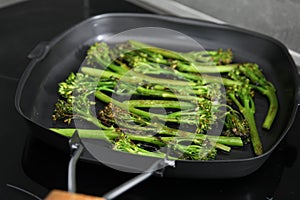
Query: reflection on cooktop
(48,166)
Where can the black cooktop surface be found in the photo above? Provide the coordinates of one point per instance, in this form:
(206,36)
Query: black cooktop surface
(36,168)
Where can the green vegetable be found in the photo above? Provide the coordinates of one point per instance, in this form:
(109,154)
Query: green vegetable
(241,96)
(134,79)
(265,87)
(126,143)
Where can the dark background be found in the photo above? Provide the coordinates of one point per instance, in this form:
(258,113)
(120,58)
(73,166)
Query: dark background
(30,164)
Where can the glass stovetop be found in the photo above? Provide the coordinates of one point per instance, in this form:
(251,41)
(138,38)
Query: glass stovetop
(31,165)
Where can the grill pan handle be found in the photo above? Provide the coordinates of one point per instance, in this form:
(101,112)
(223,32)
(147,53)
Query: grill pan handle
(77,148)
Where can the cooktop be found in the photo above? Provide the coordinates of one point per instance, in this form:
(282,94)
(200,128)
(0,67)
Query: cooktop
(30,168)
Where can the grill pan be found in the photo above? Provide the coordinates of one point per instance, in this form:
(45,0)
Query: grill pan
(53,61)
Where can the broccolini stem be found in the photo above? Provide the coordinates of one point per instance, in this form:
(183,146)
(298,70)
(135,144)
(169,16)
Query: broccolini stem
(202,68)
(273,107)
(113,134)
(104,134)
(134,77)
(255,139)
(165,94)
(252,71)
(247,108)
(222,147)
(160,103)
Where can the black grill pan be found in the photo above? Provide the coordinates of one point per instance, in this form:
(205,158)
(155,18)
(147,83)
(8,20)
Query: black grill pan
(53,61)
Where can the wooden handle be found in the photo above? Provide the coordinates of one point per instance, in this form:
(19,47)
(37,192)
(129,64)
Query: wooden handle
(62,195)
